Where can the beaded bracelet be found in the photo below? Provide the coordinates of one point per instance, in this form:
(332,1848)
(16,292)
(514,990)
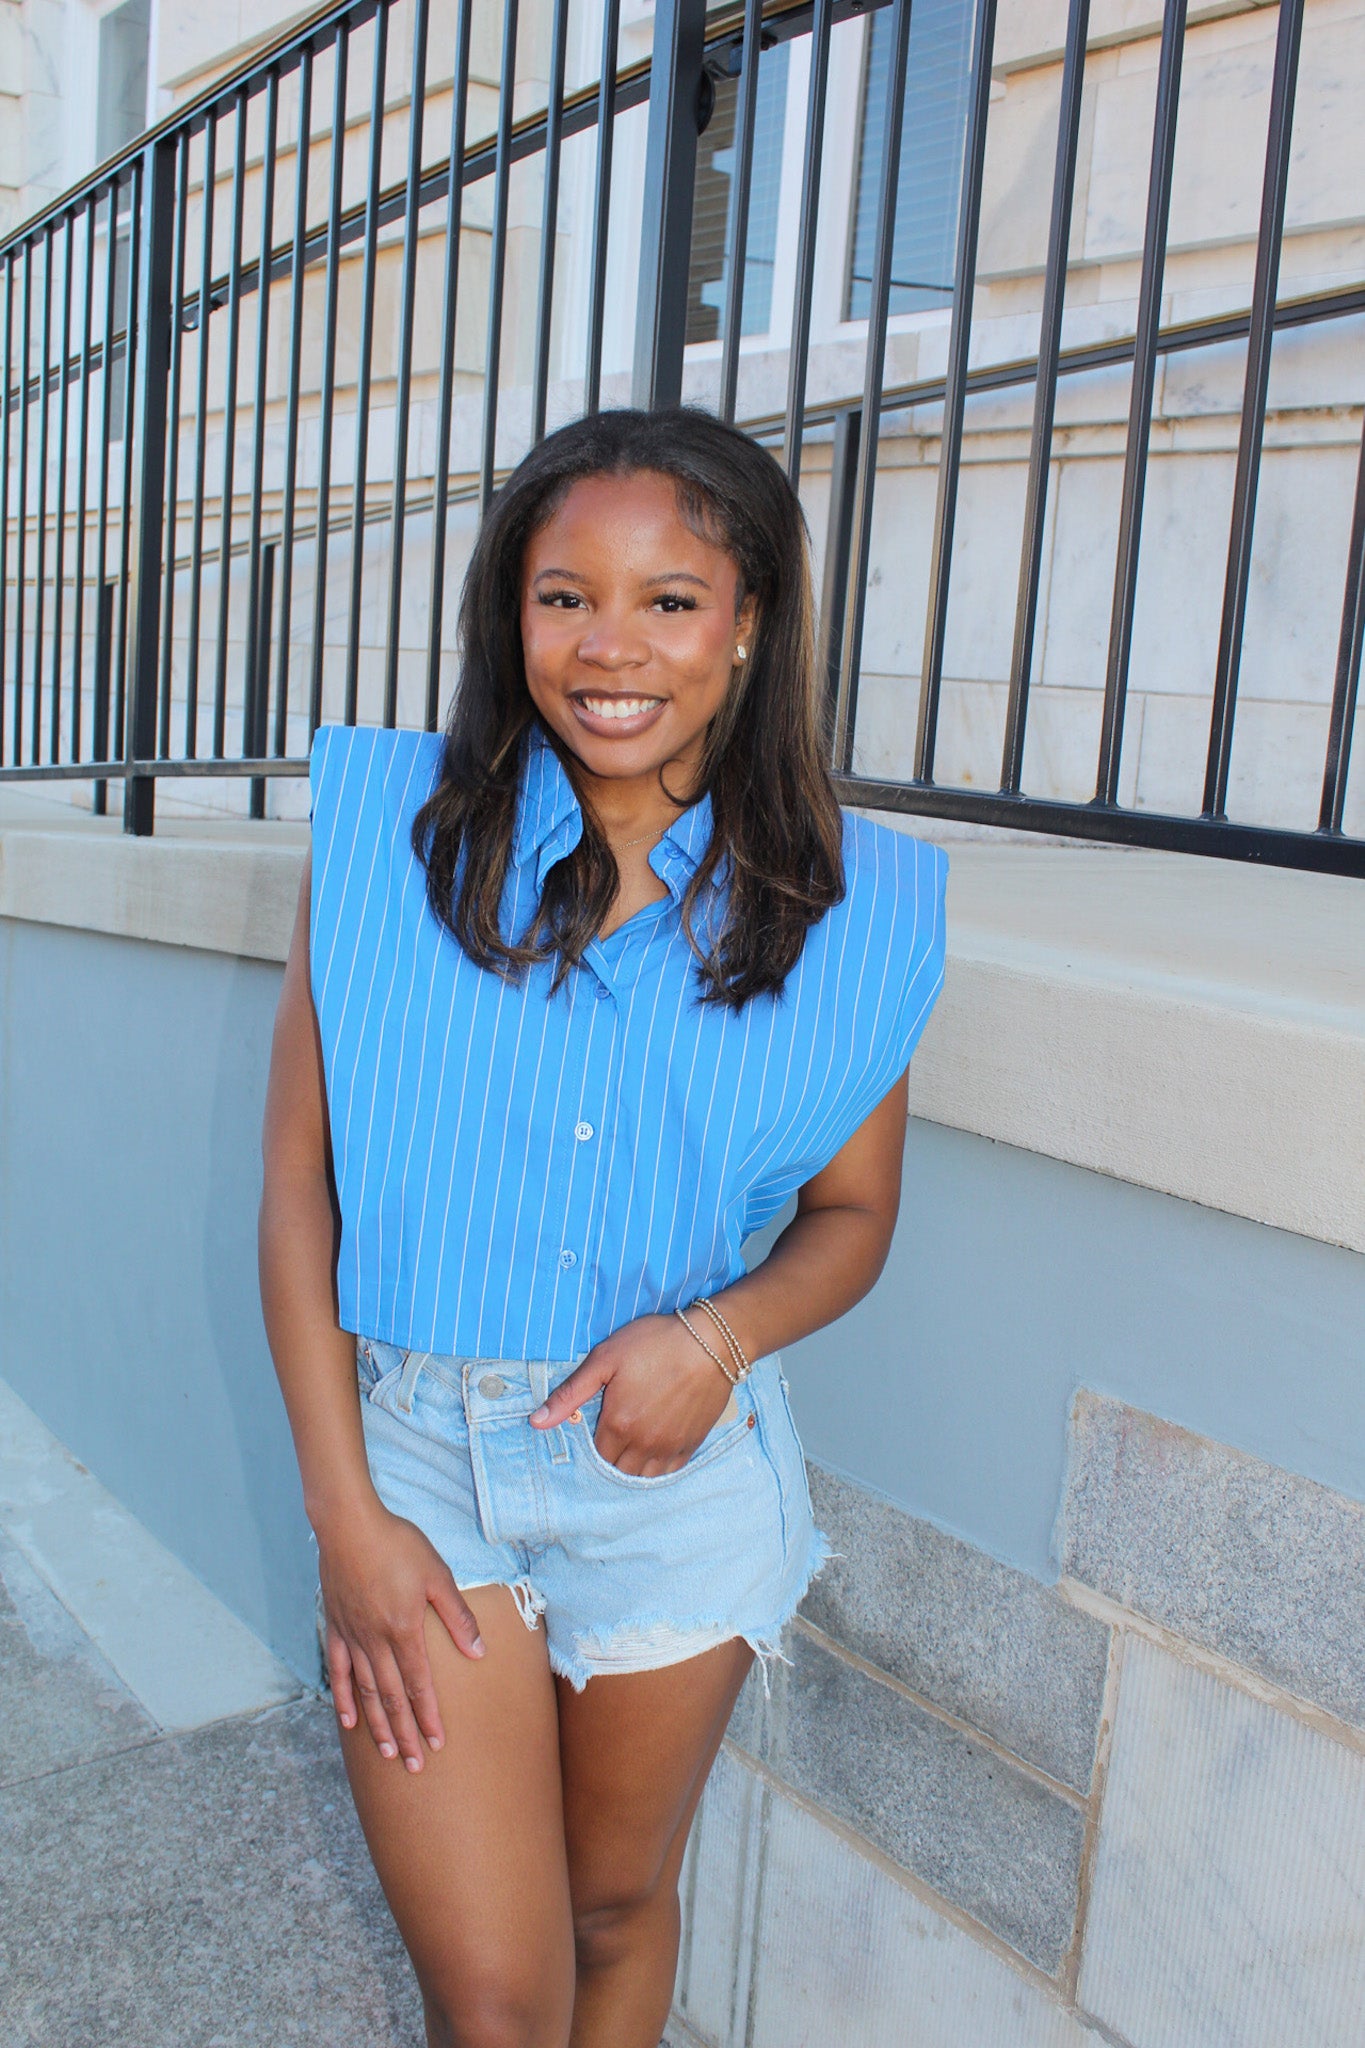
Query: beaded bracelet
(743,1365)
(692,1331)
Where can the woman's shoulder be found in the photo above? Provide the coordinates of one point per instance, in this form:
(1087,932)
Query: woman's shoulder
(890,875)
(366,756)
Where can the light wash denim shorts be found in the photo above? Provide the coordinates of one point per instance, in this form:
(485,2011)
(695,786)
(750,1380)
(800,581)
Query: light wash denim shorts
(627,1573)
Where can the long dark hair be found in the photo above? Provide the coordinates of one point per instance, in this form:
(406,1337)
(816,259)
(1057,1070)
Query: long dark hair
(777,831)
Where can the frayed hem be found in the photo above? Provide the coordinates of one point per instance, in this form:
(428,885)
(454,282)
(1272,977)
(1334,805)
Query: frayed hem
(629,1648)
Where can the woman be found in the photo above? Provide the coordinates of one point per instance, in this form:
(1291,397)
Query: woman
(578,996)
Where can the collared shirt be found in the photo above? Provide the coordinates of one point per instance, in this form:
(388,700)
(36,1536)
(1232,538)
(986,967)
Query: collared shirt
(520,1172)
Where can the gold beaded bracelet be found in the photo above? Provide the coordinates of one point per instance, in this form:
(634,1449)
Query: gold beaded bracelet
(743,1365)
(692,1331)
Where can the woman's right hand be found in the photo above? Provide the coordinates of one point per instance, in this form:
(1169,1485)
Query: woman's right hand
(379,1576)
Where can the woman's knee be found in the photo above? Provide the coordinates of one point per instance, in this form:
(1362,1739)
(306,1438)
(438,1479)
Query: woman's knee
(501,2015)
(607,1930)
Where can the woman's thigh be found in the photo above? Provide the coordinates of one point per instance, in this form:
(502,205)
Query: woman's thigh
(470,1850)
(635,1750)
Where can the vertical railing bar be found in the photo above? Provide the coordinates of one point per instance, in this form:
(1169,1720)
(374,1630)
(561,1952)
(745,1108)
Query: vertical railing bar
(1279,141)
(22,507)
(549,216)
(601,204)
(407,309)
(363,361)
(40,562)
(193,629)
(151,272)
(498,255)
(954,400)
(82,467)
(1140,402)
(5,408)
(1045,393)
(821,28)
(59,537)
(843,471)
(1346,687)
(737,225)
(131,340)
(440,494)
(850,641)
(164,677)
(220,665)
(327,402)
(291,451)
(255,683)
(670,183)
(99,710)
(850,644)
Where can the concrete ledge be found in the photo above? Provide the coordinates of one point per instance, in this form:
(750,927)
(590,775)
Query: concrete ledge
(1193,1026)
(1238,1556)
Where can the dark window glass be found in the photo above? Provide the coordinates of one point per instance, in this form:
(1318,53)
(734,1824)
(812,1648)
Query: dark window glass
(929,187)
(708,277)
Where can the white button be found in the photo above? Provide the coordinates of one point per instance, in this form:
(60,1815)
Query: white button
(568,1258)
(602,993)
(492,1387)
(582,1132)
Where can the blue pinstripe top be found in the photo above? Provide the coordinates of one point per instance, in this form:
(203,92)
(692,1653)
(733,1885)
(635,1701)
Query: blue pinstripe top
(519,1173)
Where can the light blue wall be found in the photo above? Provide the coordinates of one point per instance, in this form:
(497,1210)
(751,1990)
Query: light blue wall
(1014,1280)
(132,1079)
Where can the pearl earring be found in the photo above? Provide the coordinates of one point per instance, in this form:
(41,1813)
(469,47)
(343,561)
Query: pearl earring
(741,654)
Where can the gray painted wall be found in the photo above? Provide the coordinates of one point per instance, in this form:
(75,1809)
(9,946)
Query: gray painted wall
(132,1080)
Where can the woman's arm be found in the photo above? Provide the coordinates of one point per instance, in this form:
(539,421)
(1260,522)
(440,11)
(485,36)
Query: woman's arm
(662,1391)
(378,1572)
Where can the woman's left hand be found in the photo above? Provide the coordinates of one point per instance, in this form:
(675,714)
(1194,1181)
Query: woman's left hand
(662,1395)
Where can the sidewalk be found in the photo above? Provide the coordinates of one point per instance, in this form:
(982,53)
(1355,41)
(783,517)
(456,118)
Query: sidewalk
(162,1885)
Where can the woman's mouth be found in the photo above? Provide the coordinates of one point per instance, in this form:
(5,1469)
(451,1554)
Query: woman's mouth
(618,714)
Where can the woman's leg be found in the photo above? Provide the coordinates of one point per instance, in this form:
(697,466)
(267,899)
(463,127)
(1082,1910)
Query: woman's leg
(635,1751)
(470,1850)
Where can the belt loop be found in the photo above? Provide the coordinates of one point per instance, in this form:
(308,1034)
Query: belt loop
(407,1385)
(539,1373)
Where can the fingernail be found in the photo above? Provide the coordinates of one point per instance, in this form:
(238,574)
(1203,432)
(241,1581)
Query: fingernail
(387,1749)
(414,1763)
(348,1720)
(542,1413)
(476,1648)
(435,1742)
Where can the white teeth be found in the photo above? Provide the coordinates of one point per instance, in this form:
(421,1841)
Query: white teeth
(618,707)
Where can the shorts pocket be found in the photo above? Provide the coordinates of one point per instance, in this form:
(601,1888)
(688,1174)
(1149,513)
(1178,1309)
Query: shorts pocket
(722,1438)
(378,1366)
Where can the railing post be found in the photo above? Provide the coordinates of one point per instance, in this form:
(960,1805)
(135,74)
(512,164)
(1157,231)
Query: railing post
(666,228)
(153,315)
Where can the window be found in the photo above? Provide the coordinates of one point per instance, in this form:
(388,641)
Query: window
(929,187)
(708,277)
(121,102)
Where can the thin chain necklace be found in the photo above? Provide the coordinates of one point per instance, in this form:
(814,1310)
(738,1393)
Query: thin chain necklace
(620,847)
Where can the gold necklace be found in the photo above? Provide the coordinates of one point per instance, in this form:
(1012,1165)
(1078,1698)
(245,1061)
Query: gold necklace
(657,833)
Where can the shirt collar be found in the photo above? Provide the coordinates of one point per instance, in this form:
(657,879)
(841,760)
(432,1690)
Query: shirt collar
(549,821)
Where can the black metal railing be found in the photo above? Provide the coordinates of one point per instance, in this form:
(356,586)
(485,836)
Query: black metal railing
(205,549)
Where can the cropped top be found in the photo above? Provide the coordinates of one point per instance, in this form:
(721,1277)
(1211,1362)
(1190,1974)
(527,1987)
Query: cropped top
(519,1172)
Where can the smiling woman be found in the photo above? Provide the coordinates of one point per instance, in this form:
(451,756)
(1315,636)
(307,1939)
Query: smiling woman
(579,995)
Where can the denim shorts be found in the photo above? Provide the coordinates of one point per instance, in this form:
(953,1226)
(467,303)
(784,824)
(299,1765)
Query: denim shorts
(627,1573)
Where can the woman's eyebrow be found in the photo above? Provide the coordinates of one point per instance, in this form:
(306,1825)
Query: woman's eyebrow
(664,576)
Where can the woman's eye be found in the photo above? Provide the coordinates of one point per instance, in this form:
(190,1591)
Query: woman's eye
(561,599)
(672,602)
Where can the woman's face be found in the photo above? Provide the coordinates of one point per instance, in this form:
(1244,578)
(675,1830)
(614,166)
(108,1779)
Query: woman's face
(629,629)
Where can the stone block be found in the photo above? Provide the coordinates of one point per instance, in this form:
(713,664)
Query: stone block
(978,1638)
(983,1833)
(1236,1554)
(832,1949)
(1228,1906)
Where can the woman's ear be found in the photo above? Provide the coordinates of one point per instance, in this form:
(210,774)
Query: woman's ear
(745,624)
